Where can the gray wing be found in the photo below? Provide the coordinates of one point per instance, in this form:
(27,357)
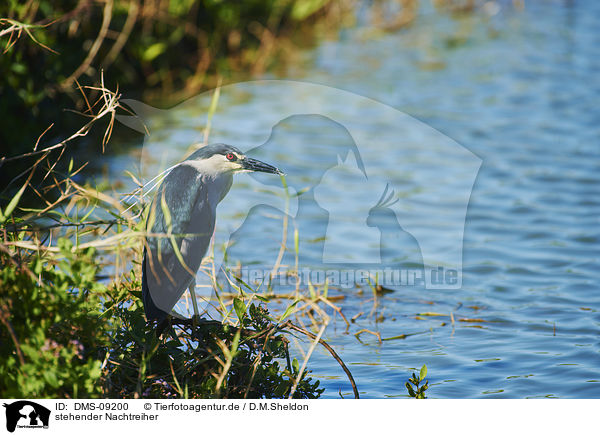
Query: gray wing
(177,240)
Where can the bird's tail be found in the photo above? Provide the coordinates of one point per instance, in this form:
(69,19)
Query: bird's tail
(150,308)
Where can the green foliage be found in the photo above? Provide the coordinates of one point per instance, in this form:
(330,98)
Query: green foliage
(190,364)
(417,389)
(52,336)
(174,47)
(64,334)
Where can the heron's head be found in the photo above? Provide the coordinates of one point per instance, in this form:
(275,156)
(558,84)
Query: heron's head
(221,159)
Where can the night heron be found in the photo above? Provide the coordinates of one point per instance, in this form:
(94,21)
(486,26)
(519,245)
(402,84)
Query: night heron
(181,222)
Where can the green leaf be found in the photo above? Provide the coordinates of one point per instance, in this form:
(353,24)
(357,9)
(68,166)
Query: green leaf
(311,290)
(240,308)
(296,241)
(302,191)
(154,51)
(12,204)
(243,284)
(423,372)
(303,9)
(166,212)
(236,342)
(288,310)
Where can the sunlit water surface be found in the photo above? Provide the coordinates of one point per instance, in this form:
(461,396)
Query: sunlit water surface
(519,90)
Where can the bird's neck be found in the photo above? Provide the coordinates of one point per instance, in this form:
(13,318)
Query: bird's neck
(221,183)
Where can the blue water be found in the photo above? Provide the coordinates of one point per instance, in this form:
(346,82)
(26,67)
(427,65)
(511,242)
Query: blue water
(519,90)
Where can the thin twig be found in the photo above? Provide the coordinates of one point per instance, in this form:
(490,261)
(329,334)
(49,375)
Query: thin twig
(107,16)
(19,27)
(368,331)
(4,318)
(316,341)
(107,109)
(290,325)
(132,13)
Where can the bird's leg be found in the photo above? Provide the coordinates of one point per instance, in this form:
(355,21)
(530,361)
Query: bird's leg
(196,316)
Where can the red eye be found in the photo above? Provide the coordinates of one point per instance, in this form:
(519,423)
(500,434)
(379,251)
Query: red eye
(230,156)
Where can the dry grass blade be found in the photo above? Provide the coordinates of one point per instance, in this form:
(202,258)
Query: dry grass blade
(18,28)
(111,104)
(316,341)
(368,331)
(290,325)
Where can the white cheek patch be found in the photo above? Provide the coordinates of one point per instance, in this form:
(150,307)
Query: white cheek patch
(213,165)
(217,164)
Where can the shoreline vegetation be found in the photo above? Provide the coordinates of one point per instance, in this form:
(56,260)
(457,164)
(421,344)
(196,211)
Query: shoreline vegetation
(69,330)
(161,51)
(65,331)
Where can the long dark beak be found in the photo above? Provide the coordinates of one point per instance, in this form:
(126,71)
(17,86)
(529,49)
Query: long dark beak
(258,166)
